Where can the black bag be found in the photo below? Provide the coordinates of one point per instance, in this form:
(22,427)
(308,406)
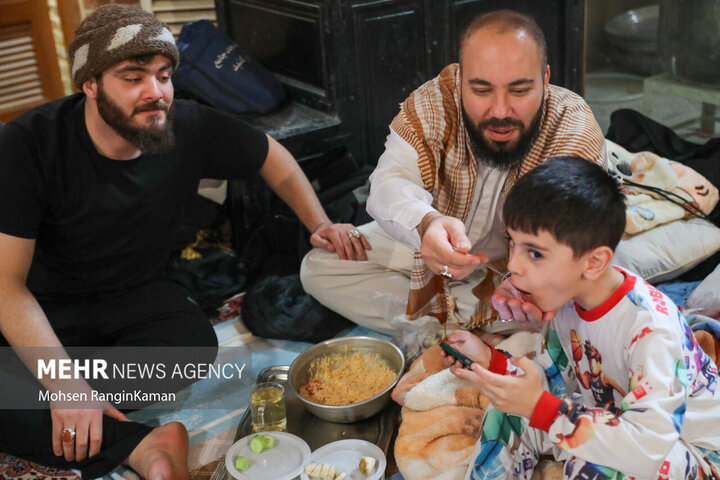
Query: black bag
(278,307)
(214,70)
(216,274)
(638,133)
(211,279)
(277,242)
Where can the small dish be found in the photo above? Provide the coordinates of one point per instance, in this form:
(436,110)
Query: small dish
(345,456)
(284,461)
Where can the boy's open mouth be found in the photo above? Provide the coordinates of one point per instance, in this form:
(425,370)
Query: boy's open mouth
(525,295)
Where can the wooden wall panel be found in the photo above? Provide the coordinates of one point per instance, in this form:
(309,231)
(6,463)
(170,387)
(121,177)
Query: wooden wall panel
(29,72)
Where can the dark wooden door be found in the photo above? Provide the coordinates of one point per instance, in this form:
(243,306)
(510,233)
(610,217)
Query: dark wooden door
(387,52)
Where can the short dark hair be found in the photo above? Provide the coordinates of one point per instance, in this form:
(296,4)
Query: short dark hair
(573,199)
(503,21)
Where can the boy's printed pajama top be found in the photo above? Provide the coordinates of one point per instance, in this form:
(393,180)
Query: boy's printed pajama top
(649,403)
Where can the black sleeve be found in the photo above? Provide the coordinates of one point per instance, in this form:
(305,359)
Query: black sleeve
(232,149)
(21,198)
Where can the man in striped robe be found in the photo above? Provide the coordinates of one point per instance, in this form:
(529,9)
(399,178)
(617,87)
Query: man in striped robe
(456,147)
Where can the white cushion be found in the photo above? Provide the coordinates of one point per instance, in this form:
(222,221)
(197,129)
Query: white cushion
(667,251)
(707,295)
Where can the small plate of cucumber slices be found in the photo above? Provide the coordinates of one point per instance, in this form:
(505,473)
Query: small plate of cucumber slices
(267,456)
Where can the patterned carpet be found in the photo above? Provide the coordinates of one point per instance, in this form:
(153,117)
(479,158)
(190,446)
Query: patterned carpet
(18,469)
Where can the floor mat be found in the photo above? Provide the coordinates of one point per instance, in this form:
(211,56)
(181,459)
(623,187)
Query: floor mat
(17,469)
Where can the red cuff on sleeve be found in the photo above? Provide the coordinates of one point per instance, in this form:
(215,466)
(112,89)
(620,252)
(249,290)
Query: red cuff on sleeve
(546,411)
(498,362)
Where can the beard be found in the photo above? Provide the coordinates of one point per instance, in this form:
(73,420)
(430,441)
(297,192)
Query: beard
(154,138)
(502,155)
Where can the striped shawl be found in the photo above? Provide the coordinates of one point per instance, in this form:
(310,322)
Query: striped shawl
(431,120)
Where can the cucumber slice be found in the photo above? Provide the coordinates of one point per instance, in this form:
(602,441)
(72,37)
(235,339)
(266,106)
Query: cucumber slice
(268,441)
(256,444)
(242,463)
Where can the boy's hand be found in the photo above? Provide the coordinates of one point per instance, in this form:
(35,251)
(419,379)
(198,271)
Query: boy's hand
(470,345)
(514,395)
(506,300)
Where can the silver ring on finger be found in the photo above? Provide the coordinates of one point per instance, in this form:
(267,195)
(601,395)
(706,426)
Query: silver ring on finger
(353,234)
(446,273)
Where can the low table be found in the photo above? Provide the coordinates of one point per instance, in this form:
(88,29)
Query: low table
(379,429)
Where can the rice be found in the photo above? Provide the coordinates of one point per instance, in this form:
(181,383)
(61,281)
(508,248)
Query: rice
(347,377)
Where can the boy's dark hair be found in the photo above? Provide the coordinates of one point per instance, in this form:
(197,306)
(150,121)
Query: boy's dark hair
(575,200)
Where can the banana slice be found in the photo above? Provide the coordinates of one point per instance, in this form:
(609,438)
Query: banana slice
(366,465)
(317,470)
(324,471)
(309,468)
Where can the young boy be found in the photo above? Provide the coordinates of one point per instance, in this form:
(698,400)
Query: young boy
(649,400)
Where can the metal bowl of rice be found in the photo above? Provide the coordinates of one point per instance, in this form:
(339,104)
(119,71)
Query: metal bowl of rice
(339,372)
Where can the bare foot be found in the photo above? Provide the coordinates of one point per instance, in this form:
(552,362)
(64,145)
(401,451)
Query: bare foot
(162,454)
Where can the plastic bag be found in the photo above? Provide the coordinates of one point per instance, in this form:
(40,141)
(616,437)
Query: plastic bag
(413,337)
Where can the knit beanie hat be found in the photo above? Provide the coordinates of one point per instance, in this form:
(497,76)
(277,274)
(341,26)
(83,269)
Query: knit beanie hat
(114,33)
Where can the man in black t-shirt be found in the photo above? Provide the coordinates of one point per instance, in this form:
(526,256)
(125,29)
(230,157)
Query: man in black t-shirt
(91,190)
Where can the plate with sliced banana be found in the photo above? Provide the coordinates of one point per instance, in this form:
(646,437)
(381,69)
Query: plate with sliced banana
(346,460)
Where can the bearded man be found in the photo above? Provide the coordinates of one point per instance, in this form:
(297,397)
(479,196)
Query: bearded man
(92,191)
(458,144)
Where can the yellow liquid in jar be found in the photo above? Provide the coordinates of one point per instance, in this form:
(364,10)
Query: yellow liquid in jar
(267,407)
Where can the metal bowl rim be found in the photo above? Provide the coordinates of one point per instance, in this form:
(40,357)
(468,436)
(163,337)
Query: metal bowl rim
(364,402)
